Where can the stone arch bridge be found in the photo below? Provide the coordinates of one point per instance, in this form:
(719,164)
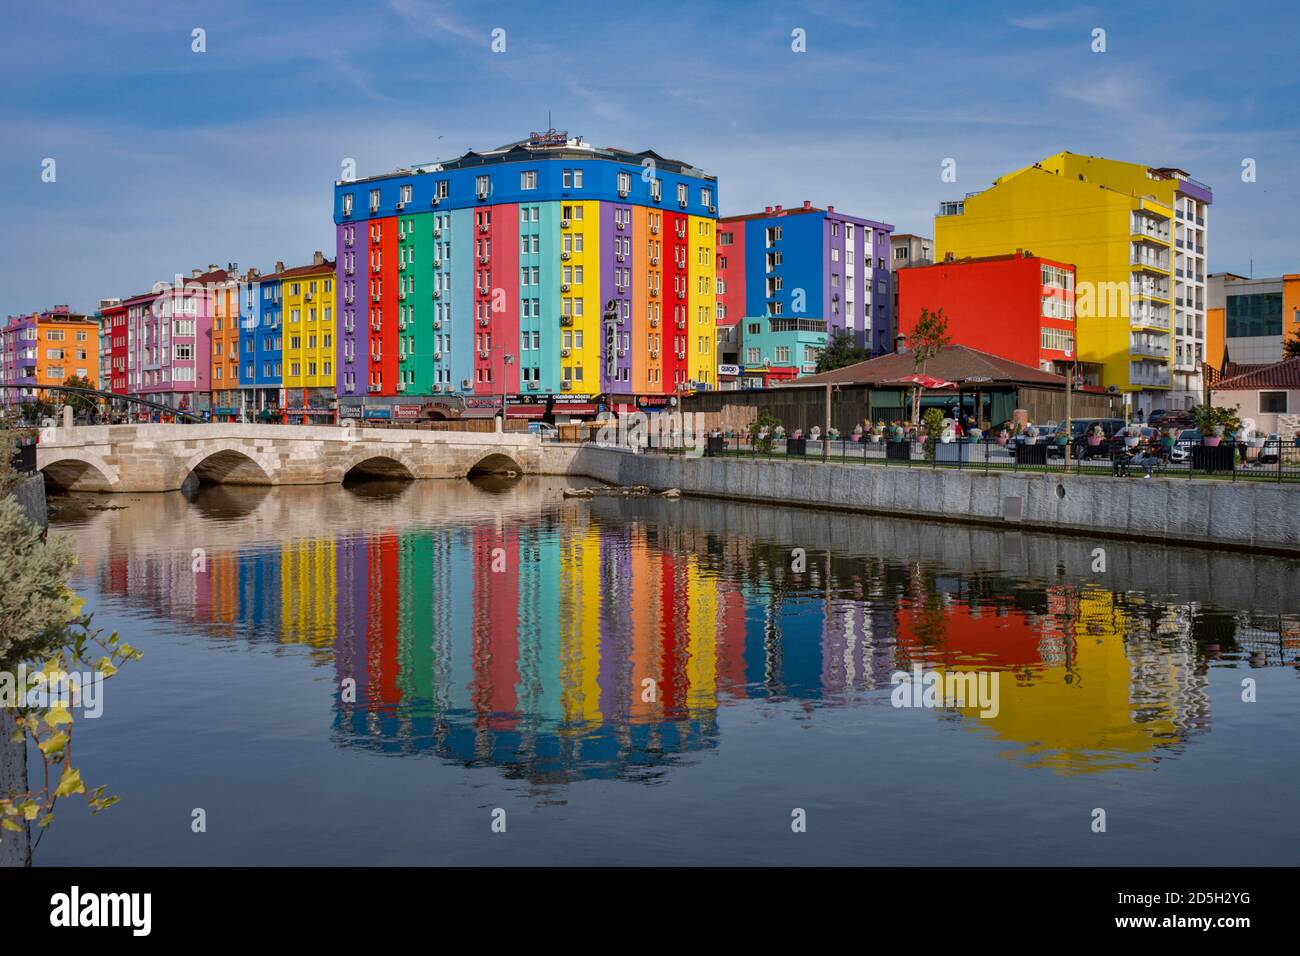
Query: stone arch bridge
(162,457)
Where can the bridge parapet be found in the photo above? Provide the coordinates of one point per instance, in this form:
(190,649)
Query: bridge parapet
(162,457)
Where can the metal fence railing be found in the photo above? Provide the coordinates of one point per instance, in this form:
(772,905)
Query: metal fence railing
(23,459)
(1272,459)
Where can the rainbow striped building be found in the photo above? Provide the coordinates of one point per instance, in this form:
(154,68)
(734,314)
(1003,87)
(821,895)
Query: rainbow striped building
(548,275)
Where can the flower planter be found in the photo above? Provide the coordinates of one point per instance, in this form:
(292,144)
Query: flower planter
(1002,440)
(1094,440)
(951,452)
(1212,441)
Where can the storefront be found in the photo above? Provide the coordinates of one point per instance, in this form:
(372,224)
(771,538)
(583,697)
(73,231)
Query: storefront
(766,376)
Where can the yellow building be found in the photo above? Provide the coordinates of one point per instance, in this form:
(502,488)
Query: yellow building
(308,317)
(701,342)
(1136,235)
(580,298)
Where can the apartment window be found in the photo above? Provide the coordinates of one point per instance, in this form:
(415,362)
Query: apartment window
(656,190)
(347,204)
(528,180)
(374,200)
(783,354)
(483,186)
(1272,403)
(706,197)
(752,356)
(406,193)
(624,183)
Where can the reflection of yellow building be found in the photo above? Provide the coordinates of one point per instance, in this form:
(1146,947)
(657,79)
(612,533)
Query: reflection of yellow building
(1109,704)
(307,586)
(702,628)
(580,622)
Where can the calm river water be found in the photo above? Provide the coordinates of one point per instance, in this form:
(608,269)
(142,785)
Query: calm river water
(652,681)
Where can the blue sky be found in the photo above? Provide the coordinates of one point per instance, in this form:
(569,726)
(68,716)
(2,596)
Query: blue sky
(169,159)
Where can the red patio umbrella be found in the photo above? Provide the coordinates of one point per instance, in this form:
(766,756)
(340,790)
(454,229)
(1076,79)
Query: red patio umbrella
(924,381)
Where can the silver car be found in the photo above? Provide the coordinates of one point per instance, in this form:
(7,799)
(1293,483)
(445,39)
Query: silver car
(1182,450)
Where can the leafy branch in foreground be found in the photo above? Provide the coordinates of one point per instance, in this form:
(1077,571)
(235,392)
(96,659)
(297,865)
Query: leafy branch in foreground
(49,651)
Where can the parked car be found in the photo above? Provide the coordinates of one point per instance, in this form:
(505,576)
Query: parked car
(1182,450)
(1082,428)
(1268,454)
(548,432)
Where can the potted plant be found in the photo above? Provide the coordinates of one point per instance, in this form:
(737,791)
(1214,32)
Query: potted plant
(974,436)
(1004,436)
(1168,439)
(1095,436)
(1213,421)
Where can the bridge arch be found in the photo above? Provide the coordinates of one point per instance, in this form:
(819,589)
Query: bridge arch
(377,466)
(495,463)
(86,473)
(231,465)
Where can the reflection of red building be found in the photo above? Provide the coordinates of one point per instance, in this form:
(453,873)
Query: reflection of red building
(731,639)
(495,626)
(959,636)
(1018,306)
(382,647)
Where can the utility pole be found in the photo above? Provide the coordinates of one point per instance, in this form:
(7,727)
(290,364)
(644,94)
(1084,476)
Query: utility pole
(826,429)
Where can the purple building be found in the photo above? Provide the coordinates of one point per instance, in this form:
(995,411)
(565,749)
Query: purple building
(807,273)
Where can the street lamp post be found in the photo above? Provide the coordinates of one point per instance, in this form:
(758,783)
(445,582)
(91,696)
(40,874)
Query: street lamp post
(1069,384)
(506,360)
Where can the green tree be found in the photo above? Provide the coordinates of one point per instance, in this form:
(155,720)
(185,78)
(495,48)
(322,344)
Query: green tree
(841,351)
(35,412)
(42,627)
(765,422)
(933,428)
(1291,347)
(85,404)
(928,337)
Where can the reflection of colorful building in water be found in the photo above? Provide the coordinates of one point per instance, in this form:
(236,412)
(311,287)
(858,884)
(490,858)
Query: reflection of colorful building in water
(567,644)
(1075,695)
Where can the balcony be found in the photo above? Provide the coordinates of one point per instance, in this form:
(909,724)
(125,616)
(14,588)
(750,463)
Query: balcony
(1143,287)
(1142,259)
(1144,316)
(1149,376)
(1149,348)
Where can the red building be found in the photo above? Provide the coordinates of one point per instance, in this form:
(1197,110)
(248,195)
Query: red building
(730,288)
(1019,306)
(118,357)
